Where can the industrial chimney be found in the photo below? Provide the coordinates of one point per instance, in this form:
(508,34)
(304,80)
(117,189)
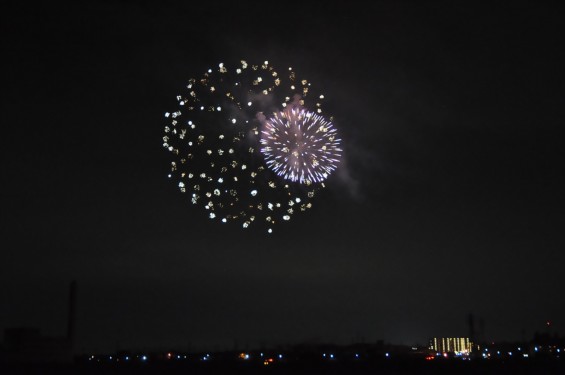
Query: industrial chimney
(72,313)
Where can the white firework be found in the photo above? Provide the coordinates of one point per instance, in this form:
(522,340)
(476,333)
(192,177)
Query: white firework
(300,146)
(214,139)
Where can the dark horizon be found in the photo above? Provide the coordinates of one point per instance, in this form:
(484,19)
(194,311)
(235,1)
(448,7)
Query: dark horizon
(474,330)
(448,201)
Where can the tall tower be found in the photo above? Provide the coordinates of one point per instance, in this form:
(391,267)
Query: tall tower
(72,313)
(471,322)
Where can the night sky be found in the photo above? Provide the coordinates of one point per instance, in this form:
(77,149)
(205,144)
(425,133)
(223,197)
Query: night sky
(449,200)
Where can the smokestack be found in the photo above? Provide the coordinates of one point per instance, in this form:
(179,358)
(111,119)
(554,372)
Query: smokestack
(471,322)
(72,312)
(472,337)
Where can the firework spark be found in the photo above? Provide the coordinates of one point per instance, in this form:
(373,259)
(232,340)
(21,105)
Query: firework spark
(300,146)
(215,138)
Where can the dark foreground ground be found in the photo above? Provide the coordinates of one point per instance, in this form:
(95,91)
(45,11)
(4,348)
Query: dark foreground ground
(385,368)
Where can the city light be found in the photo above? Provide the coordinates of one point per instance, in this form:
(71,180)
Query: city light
(244,356)
(358,353)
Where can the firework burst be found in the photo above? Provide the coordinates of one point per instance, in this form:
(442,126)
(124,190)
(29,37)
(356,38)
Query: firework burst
(300,146)
(227,140)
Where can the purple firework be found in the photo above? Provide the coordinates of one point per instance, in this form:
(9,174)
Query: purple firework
(300,145)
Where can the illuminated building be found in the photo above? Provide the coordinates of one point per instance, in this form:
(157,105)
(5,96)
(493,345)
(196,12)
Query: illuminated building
(451,345)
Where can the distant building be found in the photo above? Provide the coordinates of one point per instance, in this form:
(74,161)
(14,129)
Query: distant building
(28,345)
(451,345)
